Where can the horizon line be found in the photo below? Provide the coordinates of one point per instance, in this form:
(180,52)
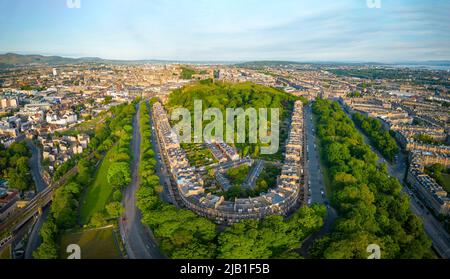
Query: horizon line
(226,61)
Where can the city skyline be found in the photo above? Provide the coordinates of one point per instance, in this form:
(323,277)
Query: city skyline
(300,31)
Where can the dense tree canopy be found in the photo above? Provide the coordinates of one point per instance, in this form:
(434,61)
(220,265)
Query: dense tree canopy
(64,210)
(187,73)
(119,174)
(369,201)
(183,234)
(14,166)
(383,141)
(241,95)
(271,238)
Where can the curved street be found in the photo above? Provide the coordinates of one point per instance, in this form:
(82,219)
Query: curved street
(36,167)
(36,171)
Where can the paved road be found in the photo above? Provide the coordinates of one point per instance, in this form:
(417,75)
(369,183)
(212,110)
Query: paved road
(17,243)
(34,239)
(16,223)
(138,239)
(313,171)
(36,171)
(254,174)
(161,169)
(434,229)
(315,182)
(36,167)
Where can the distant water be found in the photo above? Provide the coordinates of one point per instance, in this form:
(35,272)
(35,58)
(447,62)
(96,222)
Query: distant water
(428,67)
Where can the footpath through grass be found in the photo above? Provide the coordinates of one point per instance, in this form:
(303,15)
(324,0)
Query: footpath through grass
(94,243)
(98,193)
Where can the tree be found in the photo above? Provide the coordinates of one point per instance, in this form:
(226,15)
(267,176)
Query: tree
(98,220)
(114,209)
(17,180)
(117,196)
(371,206)
(337,153)
(146,199)
(22,165)
(383,140)
(84,172)
(18,148)
(49,230)
(182,237)
(195,250)
(242,241)
(47,250)
(119,174)
(63,209)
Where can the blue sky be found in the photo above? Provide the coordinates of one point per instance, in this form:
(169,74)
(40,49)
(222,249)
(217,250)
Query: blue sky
(234,30)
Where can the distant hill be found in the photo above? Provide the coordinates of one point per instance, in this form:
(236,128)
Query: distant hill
(258,64)
(12,60)
(268,63)
(428,63)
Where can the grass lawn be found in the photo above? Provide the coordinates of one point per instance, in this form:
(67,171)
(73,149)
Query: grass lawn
(198,155)
(94,243)
(98,193)
(238,175)
(5,254)
(269,174)
(442,178)
(87,127)
(446,182)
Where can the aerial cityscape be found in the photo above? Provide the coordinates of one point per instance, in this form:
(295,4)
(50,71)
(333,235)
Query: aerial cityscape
(207,132)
